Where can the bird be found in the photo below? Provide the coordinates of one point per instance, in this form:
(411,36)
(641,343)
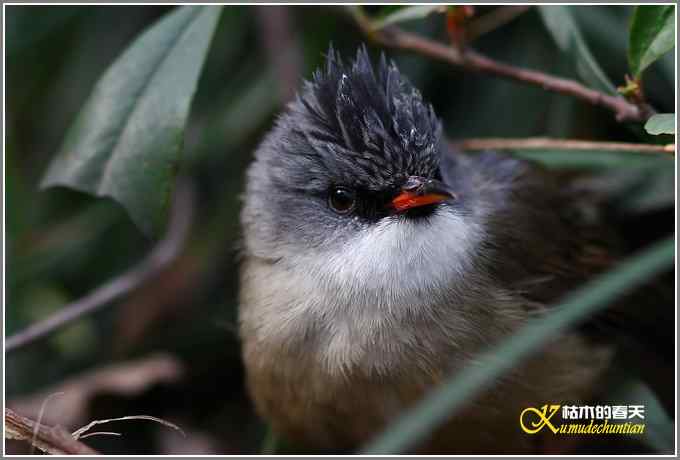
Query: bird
(378,260)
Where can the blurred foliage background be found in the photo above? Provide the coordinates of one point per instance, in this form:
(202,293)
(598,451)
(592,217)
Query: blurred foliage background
(176,336)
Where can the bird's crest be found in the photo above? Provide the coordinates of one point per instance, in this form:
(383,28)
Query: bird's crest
(377,117)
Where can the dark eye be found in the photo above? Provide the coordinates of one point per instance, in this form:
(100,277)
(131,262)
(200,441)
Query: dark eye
(342,200)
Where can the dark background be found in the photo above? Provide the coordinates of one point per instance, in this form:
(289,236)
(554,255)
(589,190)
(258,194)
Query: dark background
(61,244)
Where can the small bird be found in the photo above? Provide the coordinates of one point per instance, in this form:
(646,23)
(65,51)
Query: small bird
(377,261)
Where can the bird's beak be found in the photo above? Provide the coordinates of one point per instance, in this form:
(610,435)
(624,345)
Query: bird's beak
(419,191)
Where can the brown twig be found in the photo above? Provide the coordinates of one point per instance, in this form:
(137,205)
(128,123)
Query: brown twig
(80,432)
(41,413)
(559,144)
(50,439)
(393,37)
(159,258)
(100,433)
(125,379)
(282,46)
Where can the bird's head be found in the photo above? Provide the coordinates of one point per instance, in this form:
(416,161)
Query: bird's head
(350,175)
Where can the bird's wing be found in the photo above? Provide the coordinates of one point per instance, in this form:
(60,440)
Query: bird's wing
(549,235)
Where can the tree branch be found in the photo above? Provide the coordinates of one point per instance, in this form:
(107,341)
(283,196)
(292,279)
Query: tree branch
(50,439)
(159,258)
(394,37)
(282,47)
(560,144)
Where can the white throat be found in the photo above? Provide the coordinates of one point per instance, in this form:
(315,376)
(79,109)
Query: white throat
(399,257)
(397,287)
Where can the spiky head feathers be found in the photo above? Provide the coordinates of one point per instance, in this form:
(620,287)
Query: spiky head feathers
(352,127)
(373,124)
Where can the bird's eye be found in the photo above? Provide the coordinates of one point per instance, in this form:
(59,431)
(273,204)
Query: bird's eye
(342,200)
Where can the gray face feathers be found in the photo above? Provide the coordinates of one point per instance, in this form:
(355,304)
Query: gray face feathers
(354,127)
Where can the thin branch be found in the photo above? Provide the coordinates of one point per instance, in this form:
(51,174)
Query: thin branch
(50,439)
(81,432)
(100,433)
(559,144)
(159,258)
(43,406)
(393,37)
(282,47)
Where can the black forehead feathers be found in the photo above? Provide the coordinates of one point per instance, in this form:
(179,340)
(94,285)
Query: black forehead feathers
(369,124)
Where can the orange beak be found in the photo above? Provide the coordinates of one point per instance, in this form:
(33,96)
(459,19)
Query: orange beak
(408,200)
(418,191)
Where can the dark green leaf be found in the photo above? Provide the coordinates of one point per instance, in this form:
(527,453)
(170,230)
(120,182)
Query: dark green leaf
(404,14)
(560,23)
(661,123)
(127,139)
(652,34)
(438,405)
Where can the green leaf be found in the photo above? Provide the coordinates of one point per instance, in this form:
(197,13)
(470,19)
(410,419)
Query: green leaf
(652,34)
(418,422)
(563,29)
(408,13)
(661,123)
(127,140)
